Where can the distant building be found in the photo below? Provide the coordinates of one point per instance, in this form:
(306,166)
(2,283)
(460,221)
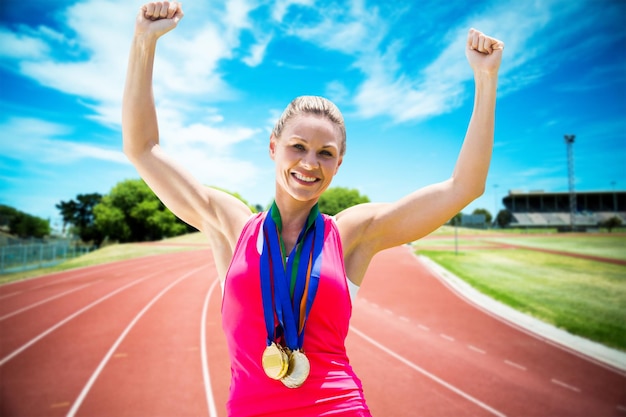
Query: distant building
(475,221)
(536,209)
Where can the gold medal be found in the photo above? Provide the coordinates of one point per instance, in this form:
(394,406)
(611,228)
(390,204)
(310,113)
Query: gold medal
(298,371)
(275,361)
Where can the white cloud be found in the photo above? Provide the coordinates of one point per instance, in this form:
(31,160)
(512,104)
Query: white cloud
(47,142)
(351,29)
(337,91)
(97,40)
(403,93)
(281,7)
(216,140)
(257,52)
(185,65)
(21,46)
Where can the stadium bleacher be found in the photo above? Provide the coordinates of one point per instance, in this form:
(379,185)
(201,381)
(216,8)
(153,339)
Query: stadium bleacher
(539,209)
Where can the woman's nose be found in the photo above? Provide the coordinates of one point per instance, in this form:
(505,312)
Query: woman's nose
(309,161)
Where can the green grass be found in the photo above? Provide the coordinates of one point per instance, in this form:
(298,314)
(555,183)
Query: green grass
(584,297)
(603,246)
(116,252)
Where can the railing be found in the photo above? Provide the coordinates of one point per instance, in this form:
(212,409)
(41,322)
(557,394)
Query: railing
(24,256)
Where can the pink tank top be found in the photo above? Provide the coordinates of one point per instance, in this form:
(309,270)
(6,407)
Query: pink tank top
(332,387)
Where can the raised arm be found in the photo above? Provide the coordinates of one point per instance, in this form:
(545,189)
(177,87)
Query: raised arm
(208,210)
(370,228)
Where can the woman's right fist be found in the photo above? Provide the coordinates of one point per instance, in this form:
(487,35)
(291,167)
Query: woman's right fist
(158,18)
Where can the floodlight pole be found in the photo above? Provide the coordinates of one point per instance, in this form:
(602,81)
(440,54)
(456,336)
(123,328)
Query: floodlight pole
(614,197)
(569,142)
(495,203)
(456,235)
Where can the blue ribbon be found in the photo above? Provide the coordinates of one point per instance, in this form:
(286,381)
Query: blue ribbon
(275,280)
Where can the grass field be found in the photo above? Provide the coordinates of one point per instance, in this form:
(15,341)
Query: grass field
(584,297)
(117,252)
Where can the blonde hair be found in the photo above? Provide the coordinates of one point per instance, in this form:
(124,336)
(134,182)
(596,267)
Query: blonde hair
(313,105)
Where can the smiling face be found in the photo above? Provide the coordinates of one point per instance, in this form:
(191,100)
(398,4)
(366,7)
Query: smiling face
(307,156)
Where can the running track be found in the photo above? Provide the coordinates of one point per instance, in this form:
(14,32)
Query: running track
(143,338)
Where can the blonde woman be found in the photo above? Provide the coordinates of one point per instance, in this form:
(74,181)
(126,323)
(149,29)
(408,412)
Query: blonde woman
(288,275)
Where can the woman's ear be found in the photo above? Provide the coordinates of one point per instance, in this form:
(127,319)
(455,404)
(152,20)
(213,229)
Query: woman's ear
(339,164)
(272,146)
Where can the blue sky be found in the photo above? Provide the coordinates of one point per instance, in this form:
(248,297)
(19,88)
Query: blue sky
(396,69)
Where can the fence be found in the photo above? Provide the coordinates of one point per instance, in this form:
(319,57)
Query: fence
(23,256)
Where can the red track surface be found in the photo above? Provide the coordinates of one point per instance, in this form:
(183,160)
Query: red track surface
(143,338)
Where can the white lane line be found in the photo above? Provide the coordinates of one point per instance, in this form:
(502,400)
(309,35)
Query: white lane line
(428,374)
(475,349)
(80,272)
(515,365)
(11,294)
(58,281)
(205,360)
(405,319)
(68,318)
(445,336)
(21,310)
(421,326)
(386,310)
(94,376)
(564,385)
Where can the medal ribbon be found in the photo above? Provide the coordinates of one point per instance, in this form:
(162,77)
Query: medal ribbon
(288,288)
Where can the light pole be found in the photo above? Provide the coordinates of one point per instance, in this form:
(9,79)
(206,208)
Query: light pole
(495,203)
(614,197)
(569,142)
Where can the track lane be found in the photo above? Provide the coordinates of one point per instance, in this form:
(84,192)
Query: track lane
(150,353)
(20,328)
(401,306)
(420,318)
(45,378)
(217,353)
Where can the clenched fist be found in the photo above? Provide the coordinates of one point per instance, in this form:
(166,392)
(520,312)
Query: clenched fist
(158,18)
(483,52)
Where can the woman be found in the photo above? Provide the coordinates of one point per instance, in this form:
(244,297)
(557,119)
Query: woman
(290,272)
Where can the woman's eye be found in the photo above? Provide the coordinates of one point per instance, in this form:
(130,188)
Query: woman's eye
(299,147)
(326,153)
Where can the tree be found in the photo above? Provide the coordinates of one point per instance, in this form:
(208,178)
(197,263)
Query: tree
(504,218)
(611,223)
(79,214)
(486,213)
(337,199)
(132,213)
(23,224)
(456,220)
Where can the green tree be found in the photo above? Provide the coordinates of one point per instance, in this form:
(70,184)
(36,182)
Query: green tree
(504,218)
(456,220)
(132,213)
(337,199)
(23,224)
(486,213)
(612,223)
(79,214)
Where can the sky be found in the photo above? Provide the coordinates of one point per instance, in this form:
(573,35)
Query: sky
(396,69)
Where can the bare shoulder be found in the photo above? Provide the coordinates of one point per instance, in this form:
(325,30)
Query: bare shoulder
(355,229)
(226,215)
(354,222)
(223,226)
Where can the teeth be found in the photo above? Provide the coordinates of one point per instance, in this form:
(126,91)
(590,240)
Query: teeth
(303,178)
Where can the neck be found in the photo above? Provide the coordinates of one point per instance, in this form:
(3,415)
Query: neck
(293,213)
